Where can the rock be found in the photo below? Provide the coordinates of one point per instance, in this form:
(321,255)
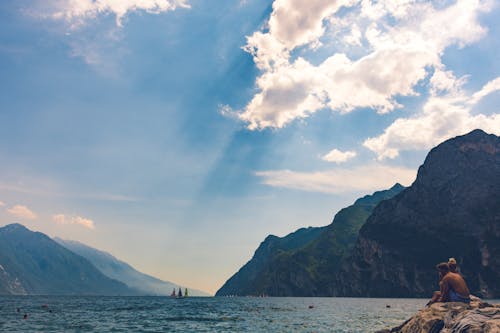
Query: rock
(453,317)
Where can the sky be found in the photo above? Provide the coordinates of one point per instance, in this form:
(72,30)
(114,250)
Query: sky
(178,134)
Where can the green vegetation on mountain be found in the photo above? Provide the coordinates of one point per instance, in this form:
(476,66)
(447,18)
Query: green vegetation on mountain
(303,263)
(32,263)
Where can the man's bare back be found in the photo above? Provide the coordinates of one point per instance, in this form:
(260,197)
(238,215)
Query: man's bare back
(453,282)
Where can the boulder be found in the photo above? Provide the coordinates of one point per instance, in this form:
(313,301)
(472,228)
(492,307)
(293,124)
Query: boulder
(453,317)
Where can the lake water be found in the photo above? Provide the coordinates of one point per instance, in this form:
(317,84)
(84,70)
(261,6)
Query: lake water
(212,314)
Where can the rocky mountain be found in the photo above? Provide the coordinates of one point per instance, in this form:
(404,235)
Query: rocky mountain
(451,210)
(123,272)
(32,263)
(249,279)
(303,263)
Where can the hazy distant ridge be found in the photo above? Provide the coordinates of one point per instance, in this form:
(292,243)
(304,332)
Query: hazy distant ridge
(32,263)
(121,271)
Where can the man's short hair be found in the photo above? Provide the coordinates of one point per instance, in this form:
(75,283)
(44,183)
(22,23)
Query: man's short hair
(443,267)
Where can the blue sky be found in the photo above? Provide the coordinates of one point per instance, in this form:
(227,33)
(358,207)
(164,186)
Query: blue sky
(178,134)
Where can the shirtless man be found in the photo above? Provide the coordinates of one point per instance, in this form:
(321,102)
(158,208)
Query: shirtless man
(452,287)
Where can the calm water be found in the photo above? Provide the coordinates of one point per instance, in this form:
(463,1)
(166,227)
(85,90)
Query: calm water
(162,314)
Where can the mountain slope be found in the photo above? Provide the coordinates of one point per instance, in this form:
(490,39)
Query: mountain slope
(307,268)
(451,210)
(246,281)
(121,271)
(32,263)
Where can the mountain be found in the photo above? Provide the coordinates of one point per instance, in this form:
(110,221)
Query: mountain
(249,279)
(32,263)
(451,210)
(303,263)
(123,272)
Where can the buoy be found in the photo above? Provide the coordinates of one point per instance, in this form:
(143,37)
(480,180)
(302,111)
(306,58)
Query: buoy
(25,316)
(311,306)
(387,306)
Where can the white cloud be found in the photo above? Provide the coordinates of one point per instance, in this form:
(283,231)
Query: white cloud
(2,203)
(442,117)
(488,88)
(64,219)
(365,178)
(445,82)
(292,23)
(76,12)
(403,43)
(97,42)
(298,22)
(338,156)
(22,212)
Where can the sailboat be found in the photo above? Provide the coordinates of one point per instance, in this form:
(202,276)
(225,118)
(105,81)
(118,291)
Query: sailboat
(186,292)
(173,293)
(179,294)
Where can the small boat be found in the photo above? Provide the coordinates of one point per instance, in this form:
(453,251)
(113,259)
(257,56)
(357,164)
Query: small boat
(179,294)
(186,292)
(173,293)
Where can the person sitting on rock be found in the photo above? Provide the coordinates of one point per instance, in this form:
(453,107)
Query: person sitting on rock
(452,286)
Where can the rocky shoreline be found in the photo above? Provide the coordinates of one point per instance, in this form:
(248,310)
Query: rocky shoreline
(453,317)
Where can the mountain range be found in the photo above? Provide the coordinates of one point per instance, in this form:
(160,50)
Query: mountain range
(33,263)
(388,245)
(298,263)
(123,272)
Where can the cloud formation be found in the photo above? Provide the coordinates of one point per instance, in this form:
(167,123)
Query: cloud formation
(22,212)
(338,156)
(364,178)
(77,12)
(442,117)
(78,220)
(400,43)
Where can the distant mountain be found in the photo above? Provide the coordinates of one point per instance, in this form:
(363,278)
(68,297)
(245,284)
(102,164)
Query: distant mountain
(304,263)
(121,271)
(451,210)
(32,263)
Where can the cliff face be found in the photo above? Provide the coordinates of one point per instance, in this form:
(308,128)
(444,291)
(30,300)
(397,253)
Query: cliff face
(451,210)
(304,263)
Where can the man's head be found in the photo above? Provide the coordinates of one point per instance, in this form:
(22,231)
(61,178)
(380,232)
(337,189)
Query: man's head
(443,268)
(452,264)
